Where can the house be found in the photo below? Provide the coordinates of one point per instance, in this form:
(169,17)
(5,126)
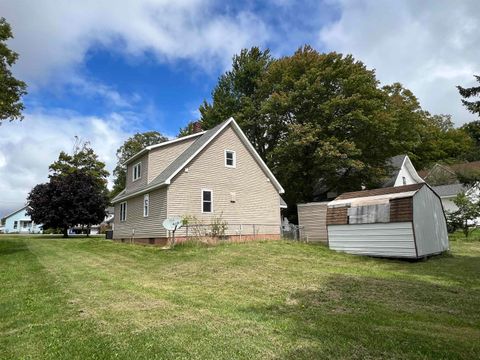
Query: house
(20,222)
(402,172)
(401,222)
(95,229)
(444,181)
(312,216)
(204,176)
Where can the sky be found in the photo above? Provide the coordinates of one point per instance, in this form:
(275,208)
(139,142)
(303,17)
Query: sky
(103,70)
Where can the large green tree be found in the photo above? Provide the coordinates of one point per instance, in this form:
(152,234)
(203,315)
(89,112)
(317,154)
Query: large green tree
(322,120)
(11,89)
(76,193)
(72,199)
(469,94)
(238,94)
(84,158)
(130,147)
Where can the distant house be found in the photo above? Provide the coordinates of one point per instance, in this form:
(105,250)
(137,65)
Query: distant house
(20,222)
(95,229)
(210,174)
(402,172)
(444,181)
(312,216)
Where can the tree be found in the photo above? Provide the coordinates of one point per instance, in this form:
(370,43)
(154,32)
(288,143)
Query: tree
(76,193)
(83,158)
(467,93)
(70,199)
(473,130)
(465,217)
(11,89)
(130,147)
(238,94)
(322,119)
(440,141)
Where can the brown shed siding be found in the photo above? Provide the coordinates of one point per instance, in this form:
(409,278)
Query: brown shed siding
(163,156)
(401,209)
(337,216)
(256,199)
(313,219)
(145,227)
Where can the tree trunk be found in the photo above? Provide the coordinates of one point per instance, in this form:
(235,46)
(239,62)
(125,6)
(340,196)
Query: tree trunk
(65,232)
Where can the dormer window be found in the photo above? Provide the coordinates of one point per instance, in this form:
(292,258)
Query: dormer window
(137,171)
(230,159)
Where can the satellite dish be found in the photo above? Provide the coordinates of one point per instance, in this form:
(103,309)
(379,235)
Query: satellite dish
(172,223)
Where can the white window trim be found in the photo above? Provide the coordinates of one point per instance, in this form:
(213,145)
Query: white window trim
(234,159)
(139,172)
(146,197)
(211,201)
(124,213)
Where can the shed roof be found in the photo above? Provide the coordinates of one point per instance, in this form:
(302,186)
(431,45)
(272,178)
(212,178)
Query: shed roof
(381,191)
(449,190)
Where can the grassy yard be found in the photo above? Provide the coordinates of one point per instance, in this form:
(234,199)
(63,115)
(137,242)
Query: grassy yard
(91,298)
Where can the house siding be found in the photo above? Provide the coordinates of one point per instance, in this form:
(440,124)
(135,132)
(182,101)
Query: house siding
(256,199)
(145,227)
(19,216)
(132,185)
(161,157)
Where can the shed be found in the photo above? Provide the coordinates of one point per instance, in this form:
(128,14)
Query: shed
(312,219)
(401,222)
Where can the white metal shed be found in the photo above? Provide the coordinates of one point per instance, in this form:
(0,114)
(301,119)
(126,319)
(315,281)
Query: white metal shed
(401,222)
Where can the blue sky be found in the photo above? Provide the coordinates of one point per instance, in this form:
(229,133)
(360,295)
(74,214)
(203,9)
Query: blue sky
(106,69)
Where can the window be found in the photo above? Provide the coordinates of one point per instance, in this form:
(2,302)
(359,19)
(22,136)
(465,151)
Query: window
(15,224)
(146,205)
(137,171)
(230,158)
(123,211)
(207,201)
(404,179)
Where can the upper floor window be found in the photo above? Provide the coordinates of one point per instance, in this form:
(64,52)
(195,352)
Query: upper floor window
(230,158)
(137,171)
(207,201)
(123,211)
(404,179)
(146,205)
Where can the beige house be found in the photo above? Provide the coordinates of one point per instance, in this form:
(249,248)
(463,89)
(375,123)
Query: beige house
(210,174)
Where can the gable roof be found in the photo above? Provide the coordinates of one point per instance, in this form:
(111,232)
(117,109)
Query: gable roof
(165,143)
(451,169)
(396,163)
(13,213)
(166,176)
(449,190)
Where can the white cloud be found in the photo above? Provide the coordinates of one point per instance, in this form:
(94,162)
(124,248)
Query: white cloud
(429,46)
(27,148)
(53,37)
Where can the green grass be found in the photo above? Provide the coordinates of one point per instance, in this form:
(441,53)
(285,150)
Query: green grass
(91,298)
(460,236)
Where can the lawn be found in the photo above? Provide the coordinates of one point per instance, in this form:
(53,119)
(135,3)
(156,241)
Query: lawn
(92,298)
